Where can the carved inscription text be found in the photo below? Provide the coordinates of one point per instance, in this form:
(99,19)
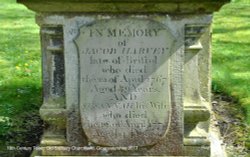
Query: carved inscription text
(124,81)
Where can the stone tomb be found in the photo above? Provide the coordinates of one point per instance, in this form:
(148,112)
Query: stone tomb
(125,78)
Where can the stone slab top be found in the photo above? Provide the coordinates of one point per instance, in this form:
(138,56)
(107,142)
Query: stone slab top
(125,6)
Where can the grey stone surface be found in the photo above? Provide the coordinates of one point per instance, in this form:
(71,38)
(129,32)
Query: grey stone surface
(128,6)
(108,65)
(151,89)
(124,81)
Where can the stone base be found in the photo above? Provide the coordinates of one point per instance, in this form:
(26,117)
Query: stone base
(64,151)
(116,156)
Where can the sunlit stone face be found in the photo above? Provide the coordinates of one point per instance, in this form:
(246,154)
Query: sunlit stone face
(124,81)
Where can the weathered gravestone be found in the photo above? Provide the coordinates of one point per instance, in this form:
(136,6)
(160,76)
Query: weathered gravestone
(125,78)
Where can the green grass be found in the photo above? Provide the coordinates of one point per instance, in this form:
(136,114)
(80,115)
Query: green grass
(231,52)
(231,58)
(20,74)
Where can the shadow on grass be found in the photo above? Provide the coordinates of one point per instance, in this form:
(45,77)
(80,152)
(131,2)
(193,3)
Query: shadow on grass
(20,124)
(227,30)
(231,51)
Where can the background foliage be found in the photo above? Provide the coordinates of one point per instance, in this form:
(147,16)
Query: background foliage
(20,78)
